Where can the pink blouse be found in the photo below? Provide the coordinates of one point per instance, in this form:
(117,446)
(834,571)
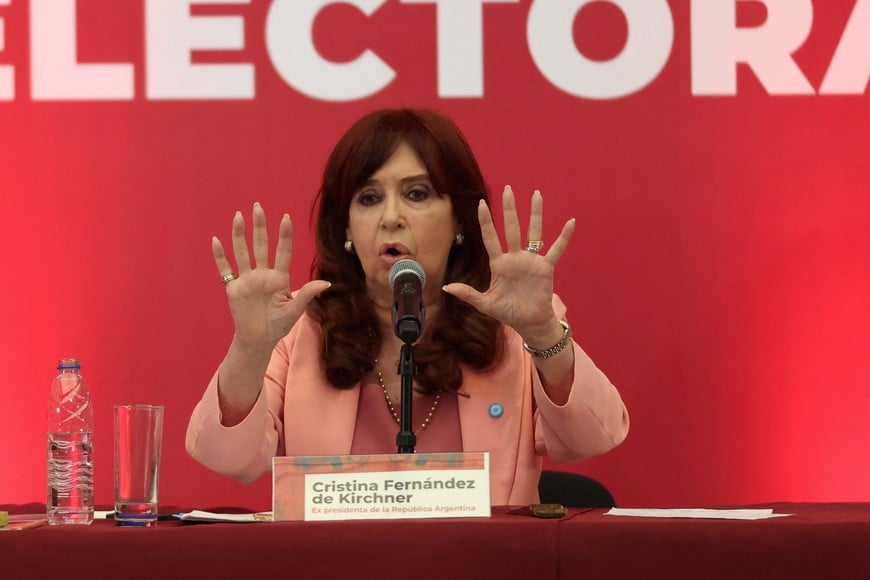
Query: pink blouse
(376,428)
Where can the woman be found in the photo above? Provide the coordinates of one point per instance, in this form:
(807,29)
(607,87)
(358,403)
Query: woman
(310,372)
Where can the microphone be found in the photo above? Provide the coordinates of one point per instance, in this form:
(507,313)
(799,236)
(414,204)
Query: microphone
(407,279)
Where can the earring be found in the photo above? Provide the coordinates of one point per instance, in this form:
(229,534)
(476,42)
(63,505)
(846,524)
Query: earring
(458,239)
(348,246)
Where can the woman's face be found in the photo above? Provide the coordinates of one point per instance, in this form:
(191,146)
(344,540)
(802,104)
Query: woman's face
(398,214)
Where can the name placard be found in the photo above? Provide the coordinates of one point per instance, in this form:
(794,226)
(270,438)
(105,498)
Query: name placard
(395,486)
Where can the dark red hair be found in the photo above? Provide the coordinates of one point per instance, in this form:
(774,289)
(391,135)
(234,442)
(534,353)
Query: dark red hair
(460,334)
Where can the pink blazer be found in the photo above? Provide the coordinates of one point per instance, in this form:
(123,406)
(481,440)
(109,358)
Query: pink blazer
(299,413)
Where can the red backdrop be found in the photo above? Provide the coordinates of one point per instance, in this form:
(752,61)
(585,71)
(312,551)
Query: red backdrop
(714,153)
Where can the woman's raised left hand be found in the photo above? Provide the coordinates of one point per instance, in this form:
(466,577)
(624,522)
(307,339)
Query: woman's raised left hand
(520,292)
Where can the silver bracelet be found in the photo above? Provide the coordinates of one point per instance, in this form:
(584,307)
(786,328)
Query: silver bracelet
(556,348)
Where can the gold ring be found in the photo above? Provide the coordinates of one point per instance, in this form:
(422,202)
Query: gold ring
(227,278)
(535,246)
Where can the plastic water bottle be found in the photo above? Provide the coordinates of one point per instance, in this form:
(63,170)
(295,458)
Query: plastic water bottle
(70,428)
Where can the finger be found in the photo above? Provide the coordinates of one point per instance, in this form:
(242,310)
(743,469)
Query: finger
(240,246)
(464,292)
(260,238)
(284,248)
(511,221)
(561,244)
(220,258)
(536,217)
(487,230)
(309,292)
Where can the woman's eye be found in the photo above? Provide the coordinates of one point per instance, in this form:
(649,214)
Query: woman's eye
(367,198)
(418,194)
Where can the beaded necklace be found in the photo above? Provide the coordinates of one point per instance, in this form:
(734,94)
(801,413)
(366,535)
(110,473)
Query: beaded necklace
(393,408)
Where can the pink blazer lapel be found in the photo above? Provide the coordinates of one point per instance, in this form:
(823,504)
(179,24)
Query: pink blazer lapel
(493,417)
(329,431)
(318,418)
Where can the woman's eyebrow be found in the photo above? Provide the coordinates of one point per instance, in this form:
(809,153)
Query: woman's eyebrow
(421,177)
(404,180)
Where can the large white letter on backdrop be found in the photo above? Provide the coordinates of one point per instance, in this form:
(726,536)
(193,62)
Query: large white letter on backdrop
(171,33)
(55,74)
(718,45)
(850,68)
(460,45)
(290,42)
(550,31)
(7,73)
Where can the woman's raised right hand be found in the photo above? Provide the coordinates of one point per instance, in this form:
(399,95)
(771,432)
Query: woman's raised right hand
(261,301)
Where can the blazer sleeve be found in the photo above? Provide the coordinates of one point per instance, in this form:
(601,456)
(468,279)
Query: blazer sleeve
(592,421)
(243,451)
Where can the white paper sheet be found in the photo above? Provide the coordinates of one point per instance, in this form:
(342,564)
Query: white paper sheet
(201,516)
(705,513)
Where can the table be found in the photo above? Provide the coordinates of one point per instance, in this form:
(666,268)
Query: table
(820,541)
(502,546)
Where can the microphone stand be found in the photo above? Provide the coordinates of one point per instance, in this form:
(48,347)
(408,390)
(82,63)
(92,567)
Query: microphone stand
(406,440)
